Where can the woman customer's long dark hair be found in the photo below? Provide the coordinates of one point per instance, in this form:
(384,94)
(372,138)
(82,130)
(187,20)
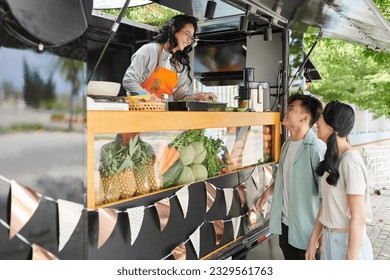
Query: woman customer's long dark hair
(341,118)
(167,34)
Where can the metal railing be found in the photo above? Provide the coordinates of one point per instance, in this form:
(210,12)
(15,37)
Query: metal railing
(377,160)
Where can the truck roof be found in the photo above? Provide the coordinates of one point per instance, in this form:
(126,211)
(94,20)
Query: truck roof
(358,22)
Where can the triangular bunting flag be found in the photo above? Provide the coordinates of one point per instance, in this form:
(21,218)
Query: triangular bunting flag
(195,240)
(211,191)
(219,226)
(24,202)
(180,252)
(252,218)
(107,221)
(265,209)
(268,174)
(242,193)
(40,254)
(256,178)
(183,197)
(236,222)
(136,219)
(163,207)
(69,214)
(229,194)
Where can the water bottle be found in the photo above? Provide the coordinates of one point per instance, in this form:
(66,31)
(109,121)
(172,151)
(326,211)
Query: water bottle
(165,98)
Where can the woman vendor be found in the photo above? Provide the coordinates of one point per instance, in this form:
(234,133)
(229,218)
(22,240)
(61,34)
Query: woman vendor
(163,66)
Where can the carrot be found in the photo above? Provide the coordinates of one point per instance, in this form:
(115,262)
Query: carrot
(166,160)
(163,158)
(172,156)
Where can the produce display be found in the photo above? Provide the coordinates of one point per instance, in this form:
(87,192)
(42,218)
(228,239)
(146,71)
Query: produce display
(144,172)
(126,170)
(267,138)
(116,170)
(172,174)
(129,166)
(199,158)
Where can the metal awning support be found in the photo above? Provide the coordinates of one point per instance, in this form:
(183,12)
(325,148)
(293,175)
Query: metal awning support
(305,60)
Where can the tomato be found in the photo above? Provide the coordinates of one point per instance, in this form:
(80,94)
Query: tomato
(224,170)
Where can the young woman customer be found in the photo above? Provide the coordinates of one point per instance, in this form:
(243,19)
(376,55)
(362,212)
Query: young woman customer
(345,207)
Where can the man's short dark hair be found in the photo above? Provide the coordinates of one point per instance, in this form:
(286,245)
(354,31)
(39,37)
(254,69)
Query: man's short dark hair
(312,105)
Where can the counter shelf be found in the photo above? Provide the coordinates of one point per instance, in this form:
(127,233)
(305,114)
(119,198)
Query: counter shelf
(247,139)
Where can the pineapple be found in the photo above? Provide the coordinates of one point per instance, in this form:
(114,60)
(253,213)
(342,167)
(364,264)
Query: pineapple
(140,175)
(140,171)
(108,173)
(144,171)
(153,186)
(126,175)
(140,178)
(99,197)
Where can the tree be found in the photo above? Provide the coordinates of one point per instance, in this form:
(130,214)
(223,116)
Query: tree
(153,14)
(36,92)
(73,72)
(352,73)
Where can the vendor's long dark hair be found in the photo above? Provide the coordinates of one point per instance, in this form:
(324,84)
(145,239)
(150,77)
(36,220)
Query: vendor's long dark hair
(167,34)
(341,118)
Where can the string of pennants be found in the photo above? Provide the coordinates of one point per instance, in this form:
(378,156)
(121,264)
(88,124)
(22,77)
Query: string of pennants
(25,201)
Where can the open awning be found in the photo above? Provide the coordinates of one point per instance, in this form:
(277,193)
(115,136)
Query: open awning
(117,4)
(358,21)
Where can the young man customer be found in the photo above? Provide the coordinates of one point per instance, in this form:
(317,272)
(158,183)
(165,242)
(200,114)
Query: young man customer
(295,191)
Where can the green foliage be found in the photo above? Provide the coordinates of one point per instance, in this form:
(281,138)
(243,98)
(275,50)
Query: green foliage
(36,92)
(153,14)
(384,7)
(23,127)
(109,162)
(73,71)
(212,146)
(353,73)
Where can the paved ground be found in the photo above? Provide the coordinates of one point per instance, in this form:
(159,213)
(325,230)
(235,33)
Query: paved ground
(378,229)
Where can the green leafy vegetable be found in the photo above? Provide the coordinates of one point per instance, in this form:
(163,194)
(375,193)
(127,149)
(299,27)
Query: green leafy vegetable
(213,148)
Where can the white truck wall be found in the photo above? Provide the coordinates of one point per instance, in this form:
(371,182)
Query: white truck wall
(264,57)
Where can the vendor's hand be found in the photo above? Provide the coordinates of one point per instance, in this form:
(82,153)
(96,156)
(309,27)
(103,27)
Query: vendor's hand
(205,96)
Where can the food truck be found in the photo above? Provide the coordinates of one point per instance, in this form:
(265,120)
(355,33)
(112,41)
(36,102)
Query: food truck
(85,173)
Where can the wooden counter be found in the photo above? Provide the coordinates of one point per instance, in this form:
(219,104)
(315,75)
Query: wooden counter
(123,121)
(106,122)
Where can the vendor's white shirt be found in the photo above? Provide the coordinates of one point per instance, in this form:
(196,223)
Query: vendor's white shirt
(144,61)
(353,180)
